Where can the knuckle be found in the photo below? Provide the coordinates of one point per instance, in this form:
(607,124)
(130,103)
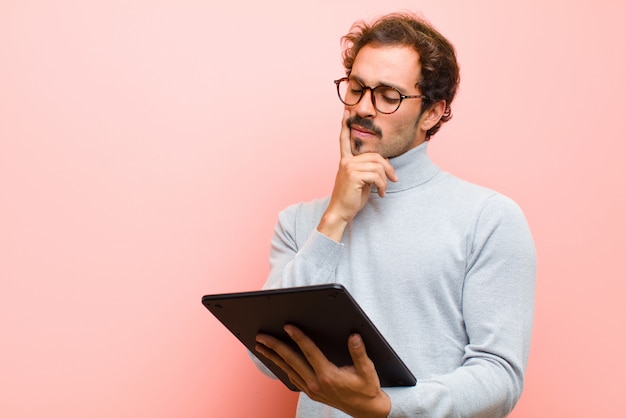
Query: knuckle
(346,162)
(314,390)
(324,379)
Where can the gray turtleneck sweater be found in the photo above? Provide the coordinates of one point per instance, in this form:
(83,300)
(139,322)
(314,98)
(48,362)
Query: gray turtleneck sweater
(445,269)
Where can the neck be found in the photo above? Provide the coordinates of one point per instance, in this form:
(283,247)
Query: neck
(413,168)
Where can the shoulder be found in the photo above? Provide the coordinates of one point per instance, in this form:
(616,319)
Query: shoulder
(303,216)
(481,209)
(459,190)
(305,209)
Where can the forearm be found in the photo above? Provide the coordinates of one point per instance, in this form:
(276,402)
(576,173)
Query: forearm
(332,226)
(301,256)
(479,388)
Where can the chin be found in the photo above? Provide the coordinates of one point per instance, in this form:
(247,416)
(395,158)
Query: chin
(359,148)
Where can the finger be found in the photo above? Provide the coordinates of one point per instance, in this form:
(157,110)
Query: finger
(285,356)
(363,365)
(375,176)
(271,355)
(390,172)
(309,349)
(345,145)
(373,157)
(387,172)
(371,172)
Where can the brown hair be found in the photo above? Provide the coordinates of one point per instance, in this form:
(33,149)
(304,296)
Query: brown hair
(439,78)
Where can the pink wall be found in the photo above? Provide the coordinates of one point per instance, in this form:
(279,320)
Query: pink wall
(146,147)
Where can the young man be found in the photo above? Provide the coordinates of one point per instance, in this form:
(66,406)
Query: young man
(444,268)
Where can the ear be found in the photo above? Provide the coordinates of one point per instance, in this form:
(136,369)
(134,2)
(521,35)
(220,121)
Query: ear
(432,115)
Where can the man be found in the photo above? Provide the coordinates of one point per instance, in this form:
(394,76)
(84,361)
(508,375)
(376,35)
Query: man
(444,268)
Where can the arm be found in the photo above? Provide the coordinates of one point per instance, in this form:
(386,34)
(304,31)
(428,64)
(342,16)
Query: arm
(498,295)
(355,389)
(298,257)
(498,301)
(353,184)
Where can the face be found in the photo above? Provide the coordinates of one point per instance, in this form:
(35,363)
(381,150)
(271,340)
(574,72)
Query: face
(387,134)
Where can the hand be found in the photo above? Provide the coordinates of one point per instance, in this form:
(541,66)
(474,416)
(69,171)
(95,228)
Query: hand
(353,389)
(353,184)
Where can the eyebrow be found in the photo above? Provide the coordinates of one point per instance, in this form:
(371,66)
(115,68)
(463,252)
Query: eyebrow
(360,81)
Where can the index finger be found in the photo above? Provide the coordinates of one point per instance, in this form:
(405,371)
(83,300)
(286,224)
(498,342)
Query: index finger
(344,136)
(311,352)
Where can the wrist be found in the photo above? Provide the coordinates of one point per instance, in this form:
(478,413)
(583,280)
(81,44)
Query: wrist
(383,405)
(332,225)
(378,408)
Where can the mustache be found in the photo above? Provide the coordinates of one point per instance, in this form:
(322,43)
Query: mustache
(364,123)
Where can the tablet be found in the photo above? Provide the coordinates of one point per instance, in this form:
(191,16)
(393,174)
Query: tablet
(327,313)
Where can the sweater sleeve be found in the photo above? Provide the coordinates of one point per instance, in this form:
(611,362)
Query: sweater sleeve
(300,255)
(498,305)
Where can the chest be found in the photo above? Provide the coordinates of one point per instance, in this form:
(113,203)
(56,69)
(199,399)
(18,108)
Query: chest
(409,242)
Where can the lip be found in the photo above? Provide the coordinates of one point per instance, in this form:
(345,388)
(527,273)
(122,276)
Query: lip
(361,131)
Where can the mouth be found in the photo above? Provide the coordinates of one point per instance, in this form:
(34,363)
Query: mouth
(363,128)
(360,131)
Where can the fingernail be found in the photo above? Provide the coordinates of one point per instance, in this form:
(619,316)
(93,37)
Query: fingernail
(288,330)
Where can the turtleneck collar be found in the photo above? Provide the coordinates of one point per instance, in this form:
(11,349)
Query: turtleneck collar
(413,168)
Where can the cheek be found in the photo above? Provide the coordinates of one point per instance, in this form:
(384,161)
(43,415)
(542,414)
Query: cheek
(399,127)
(405,128)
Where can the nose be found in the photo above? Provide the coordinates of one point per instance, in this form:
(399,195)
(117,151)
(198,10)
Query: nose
(365,107)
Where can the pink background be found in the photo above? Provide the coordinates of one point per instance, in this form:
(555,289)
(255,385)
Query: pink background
(147,146)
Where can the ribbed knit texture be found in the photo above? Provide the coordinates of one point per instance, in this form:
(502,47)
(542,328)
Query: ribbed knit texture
(445,269)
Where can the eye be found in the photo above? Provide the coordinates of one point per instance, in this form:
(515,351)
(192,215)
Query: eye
(354,87)
(388,95)
(391,100)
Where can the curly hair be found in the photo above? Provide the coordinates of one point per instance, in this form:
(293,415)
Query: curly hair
(440,76)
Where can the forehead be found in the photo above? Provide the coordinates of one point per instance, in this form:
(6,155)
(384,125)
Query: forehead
(393,65)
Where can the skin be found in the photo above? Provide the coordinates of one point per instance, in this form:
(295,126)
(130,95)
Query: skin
(366,141)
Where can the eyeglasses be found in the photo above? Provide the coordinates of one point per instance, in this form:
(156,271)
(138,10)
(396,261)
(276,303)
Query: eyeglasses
(385,99)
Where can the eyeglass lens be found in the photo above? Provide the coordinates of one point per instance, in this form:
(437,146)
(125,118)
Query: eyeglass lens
(385,99)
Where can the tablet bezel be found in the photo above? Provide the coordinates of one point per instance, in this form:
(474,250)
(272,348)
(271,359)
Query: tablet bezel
(327,313)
